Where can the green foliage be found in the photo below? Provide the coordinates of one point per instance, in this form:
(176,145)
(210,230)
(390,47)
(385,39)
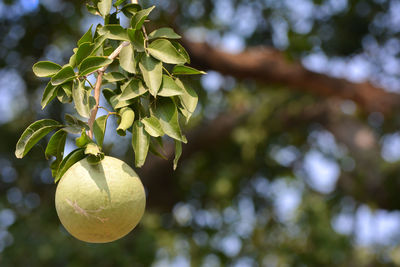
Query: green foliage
(147,101)
(68,161)
(140,143)
(152,73)
(164,51)
(164,33)
(45,69)
(33,134)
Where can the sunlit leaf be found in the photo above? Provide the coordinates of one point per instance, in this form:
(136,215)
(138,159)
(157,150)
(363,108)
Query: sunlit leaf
(84,50)
(139,17)
(132,89)
(104,7)
(93,63)
(127,116)
(140,143)
(33,134)
(167,113)
(46,68)
(152,126)
(81,99)
(169,87)
(137,39)
(113,77)
(64,75)
(68,161)
(55,148)
(127,59)
(114,32)
(185,70)
(152,73)
(164,51)
(50,92)
(87,37)
(164,33)
(99,129)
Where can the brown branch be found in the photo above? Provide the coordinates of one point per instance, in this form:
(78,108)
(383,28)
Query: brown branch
(97,87)
(270,66)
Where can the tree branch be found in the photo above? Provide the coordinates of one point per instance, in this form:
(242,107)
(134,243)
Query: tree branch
(270,66)
(99,81)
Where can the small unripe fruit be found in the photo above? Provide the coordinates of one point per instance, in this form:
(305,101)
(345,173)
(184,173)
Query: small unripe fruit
(100,203)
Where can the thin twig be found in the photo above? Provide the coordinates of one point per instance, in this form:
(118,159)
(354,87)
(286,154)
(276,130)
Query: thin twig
(99,81)
(96,107)
(91,85)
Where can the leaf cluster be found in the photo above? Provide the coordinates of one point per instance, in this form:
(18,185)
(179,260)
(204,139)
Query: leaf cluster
(144,89)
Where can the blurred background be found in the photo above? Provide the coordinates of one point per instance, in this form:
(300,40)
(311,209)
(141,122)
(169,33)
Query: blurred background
(294,151)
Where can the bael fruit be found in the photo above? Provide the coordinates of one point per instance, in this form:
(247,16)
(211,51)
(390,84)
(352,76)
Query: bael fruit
(100,203)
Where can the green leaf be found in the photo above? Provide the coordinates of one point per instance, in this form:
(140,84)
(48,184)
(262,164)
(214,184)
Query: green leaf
(87,37)
(167,114)
(74,125)
(104,7)
(93,10)
(119,2)
(152,73)
(62,96)
(112,77)
(181,50)
(68,161)
(130,9)
(55,148)
(99,129)
(127,59)
(98,42)
(188,99)
(49,94)
(169,87)
(92,149)
(140,143)
(164,33)
(152,126)
(45,68)
(64,75)
(127,117)
(117,103)
(82,140)
(93,63)
(139,17)
(137,39)
(81,99)
(132,89)
(72,61)
(113,19)
(83,52)
(56,144)
(114,32)
(108,94)
(178,153)
(185,70)
(163,50)
(33,134)
(94,153)
(153,148)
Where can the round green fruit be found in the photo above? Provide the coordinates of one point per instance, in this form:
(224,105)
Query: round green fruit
(100,203)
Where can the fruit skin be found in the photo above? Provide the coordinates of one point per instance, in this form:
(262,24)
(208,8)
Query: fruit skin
(100,203)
